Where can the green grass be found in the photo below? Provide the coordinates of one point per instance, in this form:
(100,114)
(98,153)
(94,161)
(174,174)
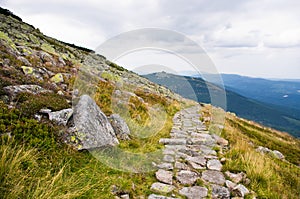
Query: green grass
(270,177)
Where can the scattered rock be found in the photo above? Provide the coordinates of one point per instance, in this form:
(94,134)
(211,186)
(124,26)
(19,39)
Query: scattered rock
(212,176)
(162,188)
(58,78)
(262,149)
(194,192)
(220,192)
(60,117)
(236,178)
(92,126)
(187,177)
(154,196)
(164,176)
(214,165)
(278,154)
(230,185)
(240,190)
(119,125)
(125,196)
(13,91)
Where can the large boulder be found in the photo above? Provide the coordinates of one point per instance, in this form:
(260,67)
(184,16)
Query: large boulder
(119,125)
(92,126)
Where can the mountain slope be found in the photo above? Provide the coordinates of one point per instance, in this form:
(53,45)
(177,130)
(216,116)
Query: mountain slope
(37,159)
(197,89)
(277,92)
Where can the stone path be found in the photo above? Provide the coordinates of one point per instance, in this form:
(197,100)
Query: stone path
(190,167)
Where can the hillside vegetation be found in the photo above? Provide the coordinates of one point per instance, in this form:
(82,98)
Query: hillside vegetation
(36,161)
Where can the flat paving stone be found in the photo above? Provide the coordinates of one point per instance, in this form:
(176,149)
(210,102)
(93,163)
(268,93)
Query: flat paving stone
(161,187)
(214,165)
(154,196)
(164,176)
(220,192)
(173,141)
(187,177)
(199,160)
(212,176)
(169,158)
(165,165)
(195,192)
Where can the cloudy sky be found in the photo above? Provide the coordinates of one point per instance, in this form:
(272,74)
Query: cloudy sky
(259,38)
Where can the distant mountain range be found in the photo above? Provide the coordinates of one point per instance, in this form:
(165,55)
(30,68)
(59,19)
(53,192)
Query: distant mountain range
(271,103)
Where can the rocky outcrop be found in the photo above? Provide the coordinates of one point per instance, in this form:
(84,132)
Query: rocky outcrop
(92,126)
(13,91)
(121,128)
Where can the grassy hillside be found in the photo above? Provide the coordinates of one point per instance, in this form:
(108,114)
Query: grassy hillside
(35,161)
(270,177)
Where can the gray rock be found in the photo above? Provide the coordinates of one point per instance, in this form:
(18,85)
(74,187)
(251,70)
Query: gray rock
(220,192)
(172,141)
(164,176)
(165,165)
(162,188)
(196,166)
(240,190)
(262,149)
(212,176)
(93,128)
(230,185)
(60,117)
(187,177)
(125,196)
(214,165)
(119,125)
(236,178)
(181,166)
(154,196)
(168,158)
(195,192)
(13,91)
(198,160)
(278,154)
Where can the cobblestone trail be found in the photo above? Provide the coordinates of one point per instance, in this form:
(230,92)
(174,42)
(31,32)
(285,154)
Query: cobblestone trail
(191,167)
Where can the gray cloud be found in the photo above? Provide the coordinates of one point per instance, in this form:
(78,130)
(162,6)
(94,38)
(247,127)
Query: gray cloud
(254,30)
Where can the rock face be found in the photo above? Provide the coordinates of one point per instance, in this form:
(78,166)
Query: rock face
(13,91)
(92,126)
(119,125)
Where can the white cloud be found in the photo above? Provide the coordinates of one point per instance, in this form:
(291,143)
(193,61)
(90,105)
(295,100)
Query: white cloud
(257,37)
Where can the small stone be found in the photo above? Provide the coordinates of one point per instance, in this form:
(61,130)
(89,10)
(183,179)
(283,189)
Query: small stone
(168,158)
(45,111)
(161,187)
(58,78)
(196,166)
(278,154)
(223,160)
(61,117)
(125,196)
(165,165)
(236,178)
(214,165)
(240,190)
(172,141)
(230,185)
(199,160)
(187,177)
(154,196)
(181,166)
(212,176)
(194,192)
(164,176)
(220,192)
(60,93)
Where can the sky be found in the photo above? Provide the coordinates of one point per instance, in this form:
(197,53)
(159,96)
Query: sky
(257,38)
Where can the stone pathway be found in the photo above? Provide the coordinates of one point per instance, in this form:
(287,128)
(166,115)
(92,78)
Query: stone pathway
(190,167)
